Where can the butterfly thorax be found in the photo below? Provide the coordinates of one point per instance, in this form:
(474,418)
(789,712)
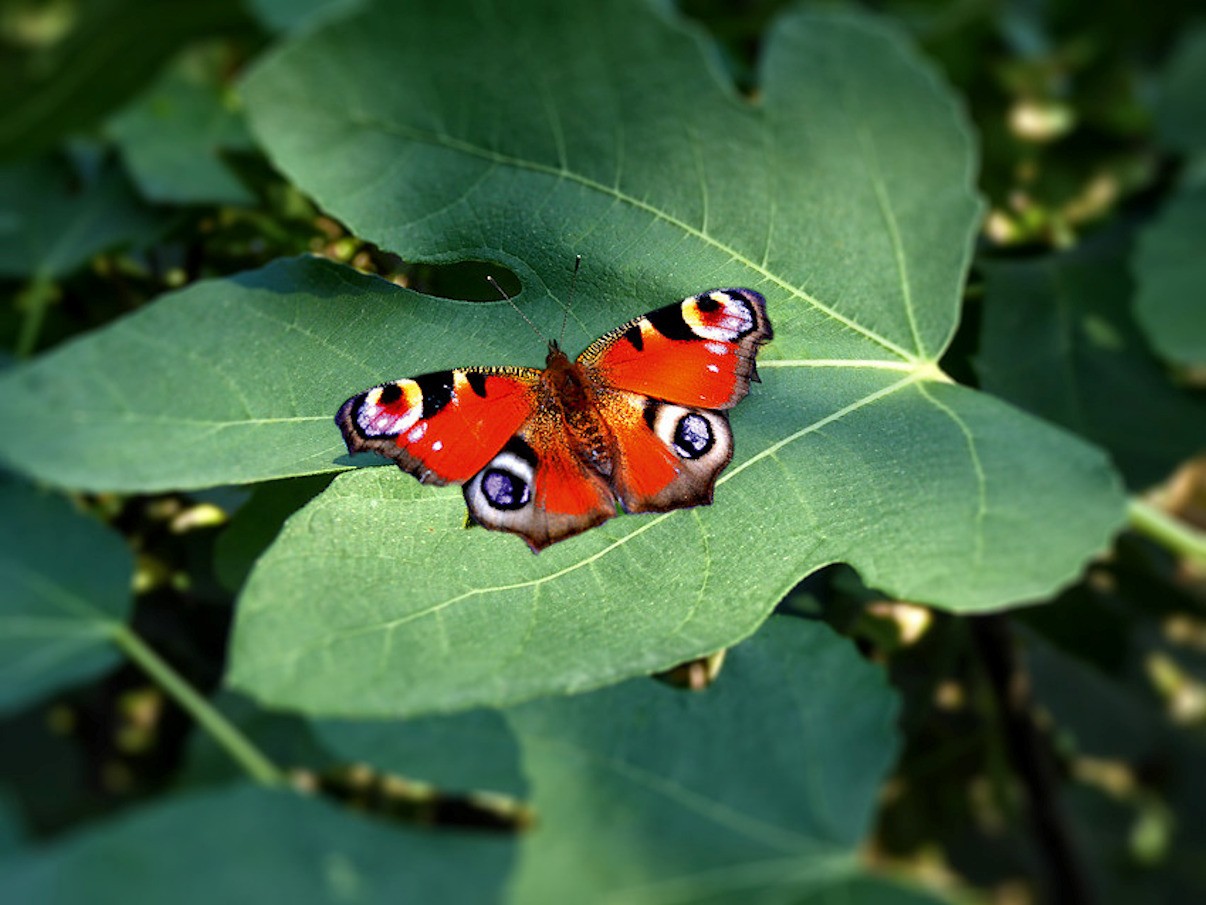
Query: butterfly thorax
(567,390)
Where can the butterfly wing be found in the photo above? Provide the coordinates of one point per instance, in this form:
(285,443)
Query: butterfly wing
(697,353)
(538,488)
(665,456)
(664,382)
(482,427)
(441,427)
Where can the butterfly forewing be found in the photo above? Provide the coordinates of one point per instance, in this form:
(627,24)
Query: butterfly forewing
(698,352)
(441,427)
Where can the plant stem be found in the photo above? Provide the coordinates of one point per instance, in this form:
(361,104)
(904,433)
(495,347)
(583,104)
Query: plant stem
(1066,879)
(1167,531)
(236,744)
(35,298)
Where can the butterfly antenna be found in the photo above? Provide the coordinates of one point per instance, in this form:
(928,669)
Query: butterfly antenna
(570,304)
(493,282)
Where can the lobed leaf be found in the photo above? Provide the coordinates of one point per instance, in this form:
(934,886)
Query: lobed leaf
(844,194)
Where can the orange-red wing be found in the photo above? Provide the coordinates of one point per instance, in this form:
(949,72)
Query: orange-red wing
(441,427)
(564,485)
(643,465)
(538,488)
(665,456)
(699,352)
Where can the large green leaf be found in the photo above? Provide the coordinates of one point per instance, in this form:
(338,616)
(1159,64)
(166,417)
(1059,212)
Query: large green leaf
(1058,338)
(406,611)
(246,844)
(56,623)
(1170,268)
(228,381)
(646,793)
(843,194)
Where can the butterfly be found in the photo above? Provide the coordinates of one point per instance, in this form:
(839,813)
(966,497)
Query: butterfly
(638,422)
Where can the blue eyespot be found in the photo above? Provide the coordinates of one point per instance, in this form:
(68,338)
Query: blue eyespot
(505,490)
(693,436)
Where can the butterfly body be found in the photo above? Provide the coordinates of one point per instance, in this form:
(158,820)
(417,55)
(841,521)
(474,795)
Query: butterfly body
(636,423)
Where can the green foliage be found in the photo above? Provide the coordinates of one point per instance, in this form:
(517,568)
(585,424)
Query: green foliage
(256,842)
(233,652)
(70,64)
(868,446)
(1169,261)
(403,611)
(1181,108)
(226,407)
(51,224)
(171,137)
(56,625)
(1059,339)
(644,792)
(1171,270)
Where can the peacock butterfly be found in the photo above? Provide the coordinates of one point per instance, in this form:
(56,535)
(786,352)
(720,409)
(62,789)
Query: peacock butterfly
(638,421)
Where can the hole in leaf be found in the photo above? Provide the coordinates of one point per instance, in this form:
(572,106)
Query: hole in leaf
(465,280)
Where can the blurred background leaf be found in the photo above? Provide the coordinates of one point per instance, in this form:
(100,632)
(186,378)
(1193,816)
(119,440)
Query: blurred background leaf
(64,588)
(68,64)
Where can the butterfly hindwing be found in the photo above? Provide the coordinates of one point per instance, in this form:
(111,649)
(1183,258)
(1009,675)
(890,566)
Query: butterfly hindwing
(538,488)
(672,458)
(697,353)
(441,427)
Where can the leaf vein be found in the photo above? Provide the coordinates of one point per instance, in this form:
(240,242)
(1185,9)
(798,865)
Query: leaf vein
(467,147)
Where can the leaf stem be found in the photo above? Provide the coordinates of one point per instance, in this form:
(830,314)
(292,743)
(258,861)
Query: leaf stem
(1031,752)
(1167,531)
(34,299)
(236,744)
